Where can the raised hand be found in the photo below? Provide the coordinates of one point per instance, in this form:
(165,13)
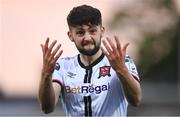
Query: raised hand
(115,53)
(50,56)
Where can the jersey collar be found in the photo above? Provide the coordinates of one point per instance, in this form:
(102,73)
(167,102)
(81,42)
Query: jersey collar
(92,64)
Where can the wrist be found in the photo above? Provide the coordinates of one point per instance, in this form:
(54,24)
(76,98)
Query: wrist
(46,75)
(123,72)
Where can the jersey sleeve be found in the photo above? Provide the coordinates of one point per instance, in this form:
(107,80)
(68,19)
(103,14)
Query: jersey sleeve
(132,67)
(58,73)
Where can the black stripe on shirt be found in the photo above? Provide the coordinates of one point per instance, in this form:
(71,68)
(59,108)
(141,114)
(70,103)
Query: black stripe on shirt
(87,107)
(87,77)
(90,74)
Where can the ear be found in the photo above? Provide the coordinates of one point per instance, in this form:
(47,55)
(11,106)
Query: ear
(69,33)
(102,31)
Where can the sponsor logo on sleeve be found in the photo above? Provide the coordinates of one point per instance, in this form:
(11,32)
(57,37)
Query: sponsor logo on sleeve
(57,66)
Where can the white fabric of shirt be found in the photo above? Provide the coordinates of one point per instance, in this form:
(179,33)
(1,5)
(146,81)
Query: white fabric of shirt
(103,87)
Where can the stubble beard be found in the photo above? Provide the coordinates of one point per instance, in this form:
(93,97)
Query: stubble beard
(89,52)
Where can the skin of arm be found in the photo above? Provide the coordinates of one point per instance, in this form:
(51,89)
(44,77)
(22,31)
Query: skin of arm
(116,56)
(131,87)
(48,91)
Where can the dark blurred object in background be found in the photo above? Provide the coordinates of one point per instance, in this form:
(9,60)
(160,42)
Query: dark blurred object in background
(1,93)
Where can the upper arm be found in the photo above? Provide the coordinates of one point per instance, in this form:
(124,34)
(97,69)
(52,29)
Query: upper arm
(57,90)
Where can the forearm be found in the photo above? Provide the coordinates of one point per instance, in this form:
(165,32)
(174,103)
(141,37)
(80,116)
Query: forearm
(46,94)
(131,87)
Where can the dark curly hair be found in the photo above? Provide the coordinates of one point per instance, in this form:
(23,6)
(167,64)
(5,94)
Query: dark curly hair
(84,15)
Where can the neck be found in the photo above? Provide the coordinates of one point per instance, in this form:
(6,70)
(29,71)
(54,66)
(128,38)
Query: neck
(87,60)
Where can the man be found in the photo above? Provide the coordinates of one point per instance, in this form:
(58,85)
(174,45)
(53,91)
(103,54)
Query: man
(99,81)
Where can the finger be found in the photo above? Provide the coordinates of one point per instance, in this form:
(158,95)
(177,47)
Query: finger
(117,42)
(42,47)
(58,55)
(104,51)
(46,44)
(51,46)
(55,50)
(111,43)
(107,46)
(125,47)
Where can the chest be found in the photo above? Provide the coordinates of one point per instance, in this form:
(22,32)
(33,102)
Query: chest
(93,81)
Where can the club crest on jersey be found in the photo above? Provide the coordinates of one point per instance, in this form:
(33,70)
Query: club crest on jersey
(104,71)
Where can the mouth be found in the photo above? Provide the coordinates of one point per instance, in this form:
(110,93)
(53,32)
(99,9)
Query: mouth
(86,43)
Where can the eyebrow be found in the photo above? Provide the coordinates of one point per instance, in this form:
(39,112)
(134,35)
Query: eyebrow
(91,26)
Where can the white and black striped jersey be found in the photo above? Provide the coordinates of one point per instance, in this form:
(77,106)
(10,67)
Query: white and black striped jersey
(93,90)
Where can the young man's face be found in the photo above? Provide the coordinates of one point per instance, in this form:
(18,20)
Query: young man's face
(87,38)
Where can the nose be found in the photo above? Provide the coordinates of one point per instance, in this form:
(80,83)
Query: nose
(87,36)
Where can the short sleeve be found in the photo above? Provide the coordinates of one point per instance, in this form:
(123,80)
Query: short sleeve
(58,73)
(132,67)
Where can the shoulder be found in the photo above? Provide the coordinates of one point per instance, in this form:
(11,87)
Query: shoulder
(129,62)
(67,61)
(128,59)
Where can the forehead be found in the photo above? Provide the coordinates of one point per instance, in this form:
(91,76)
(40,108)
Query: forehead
(84,27)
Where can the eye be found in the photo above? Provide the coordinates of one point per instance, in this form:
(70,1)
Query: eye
(80,32)
(93,31)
